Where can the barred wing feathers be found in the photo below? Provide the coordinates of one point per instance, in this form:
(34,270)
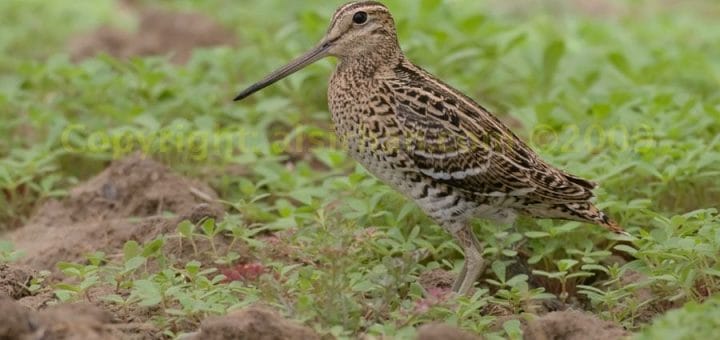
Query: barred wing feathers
(454,140)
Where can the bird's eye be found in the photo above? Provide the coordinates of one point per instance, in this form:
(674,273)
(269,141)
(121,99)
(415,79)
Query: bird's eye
(360,18)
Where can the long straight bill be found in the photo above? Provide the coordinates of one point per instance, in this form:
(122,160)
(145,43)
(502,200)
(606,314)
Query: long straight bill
(306,59)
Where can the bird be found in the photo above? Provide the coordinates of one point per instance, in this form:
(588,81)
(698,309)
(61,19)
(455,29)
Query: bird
(432,143)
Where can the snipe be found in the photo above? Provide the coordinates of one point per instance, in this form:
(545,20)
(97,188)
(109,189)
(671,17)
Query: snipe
(431,142)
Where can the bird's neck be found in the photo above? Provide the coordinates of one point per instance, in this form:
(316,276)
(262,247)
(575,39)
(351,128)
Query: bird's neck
(371,64)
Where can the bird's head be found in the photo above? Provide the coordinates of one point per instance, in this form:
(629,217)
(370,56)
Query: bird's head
(358,30)
(361,28)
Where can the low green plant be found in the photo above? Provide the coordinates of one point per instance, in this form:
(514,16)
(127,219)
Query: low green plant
(692,321)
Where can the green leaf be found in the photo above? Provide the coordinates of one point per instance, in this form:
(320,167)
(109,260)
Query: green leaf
(134,263)
(406,209)
(625,248)
(113,298)
(621,64)
(96,258)
(513,329)
(64,295)
(192,267)
(499,268)
(566,264)
(711,271)
(363,286)
(517,279)
(552,55)
(68,287)
(186,228)
(131,249)
(536,234)
(595,267)
(208,227)
(147,292)
(153,248)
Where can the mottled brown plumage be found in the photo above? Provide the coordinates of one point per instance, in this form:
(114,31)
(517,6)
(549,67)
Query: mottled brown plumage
(431,142)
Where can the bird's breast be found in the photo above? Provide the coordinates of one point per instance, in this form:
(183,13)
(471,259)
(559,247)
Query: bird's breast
(365,123)
(358,106)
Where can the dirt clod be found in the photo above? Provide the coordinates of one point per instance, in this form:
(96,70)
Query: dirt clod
(39,300)
(255,323)
(132,187)
(66,322)
(441,331)
(14,281)
(76,321)
(436,278)
(572,325)
(159,32)
(16,320)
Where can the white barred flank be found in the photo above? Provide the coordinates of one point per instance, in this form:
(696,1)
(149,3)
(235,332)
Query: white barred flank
(439,174)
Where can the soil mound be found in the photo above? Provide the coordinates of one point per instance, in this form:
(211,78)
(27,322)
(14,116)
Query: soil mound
(573,325)
(134,199)
(68,321)
(440,331)
(252,323)
(159,32)
(436,279)
(14,281)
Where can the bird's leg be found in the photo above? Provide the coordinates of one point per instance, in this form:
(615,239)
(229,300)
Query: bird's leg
(460,278)
(474,263)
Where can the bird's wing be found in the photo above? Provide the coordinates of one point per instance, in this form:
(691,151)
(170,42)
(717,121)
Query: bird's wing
(454,140)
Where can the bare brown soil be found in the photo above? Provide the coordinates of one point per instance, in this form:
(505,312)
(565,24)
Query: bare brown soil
(133,199)
(572,325)
(67,321)
(130,200)
(437,278)
(14,281)
(252,323)
(159,32)
(441,331)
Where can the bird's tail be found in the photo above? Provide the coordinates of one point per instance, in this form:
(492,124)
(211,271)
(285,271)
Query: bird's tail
(597,216)
(580,211)
(611,225)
